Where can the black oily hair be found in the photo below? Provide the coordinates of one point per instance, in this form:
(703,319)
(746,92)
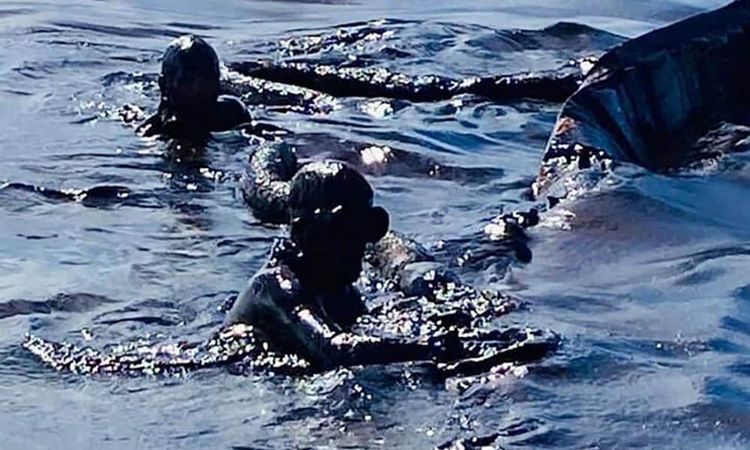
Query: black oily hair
(190,56)
(327,185)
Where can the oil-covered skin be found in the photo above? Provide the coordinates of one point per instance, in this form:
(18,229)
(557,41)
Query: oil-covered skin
(277,96)
(338,81)
(397,260)
(293,318)
(313,87)
(190,108)
(652,101)
(302,312)
(414,272)
(303,300)
(371,159)
(232,346)
(264,183)
(265,187)
(191,105)
(432,300)
(286,81)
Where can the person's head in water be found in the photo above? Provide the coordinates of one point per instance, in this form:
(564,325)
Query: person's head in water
(189,80)
(332,219)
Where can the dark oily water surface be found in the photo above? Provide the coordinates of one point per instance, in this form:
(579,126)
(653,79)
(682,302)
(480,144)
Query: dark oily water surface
(645,277)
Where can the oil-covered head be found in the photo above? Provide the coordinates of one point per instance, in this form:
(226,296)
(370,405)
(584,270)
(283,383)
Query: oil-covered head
(189,74)
(332,219)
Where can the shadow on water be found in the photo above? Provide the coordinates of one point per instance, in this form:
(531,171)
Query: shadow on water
(110,238)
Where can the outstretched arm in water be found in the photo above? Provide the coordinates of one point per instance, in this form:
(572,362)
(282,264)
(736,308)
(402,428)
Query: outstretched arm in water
(273,298)
(555,85)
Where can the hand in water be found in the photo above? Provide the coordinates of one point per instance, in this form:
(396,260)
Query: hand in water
(447,347)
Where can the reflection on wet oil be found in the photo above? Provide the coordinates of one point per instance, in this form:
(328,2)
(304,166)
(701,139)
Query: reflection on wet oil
(642,275)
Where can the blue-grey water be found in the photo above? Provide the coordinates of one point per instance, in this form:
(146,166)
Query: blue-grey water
(645,277)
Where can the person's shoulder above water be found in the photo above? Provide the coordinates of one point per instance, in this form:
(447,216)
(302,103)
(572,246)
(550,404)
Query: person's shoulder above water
(230,112)
(304,296)
(272,292)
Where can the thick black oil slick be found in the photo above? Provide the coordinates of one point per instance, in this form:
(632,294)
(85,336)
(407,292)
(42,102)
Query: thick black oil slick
(654,101)
(107,238)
